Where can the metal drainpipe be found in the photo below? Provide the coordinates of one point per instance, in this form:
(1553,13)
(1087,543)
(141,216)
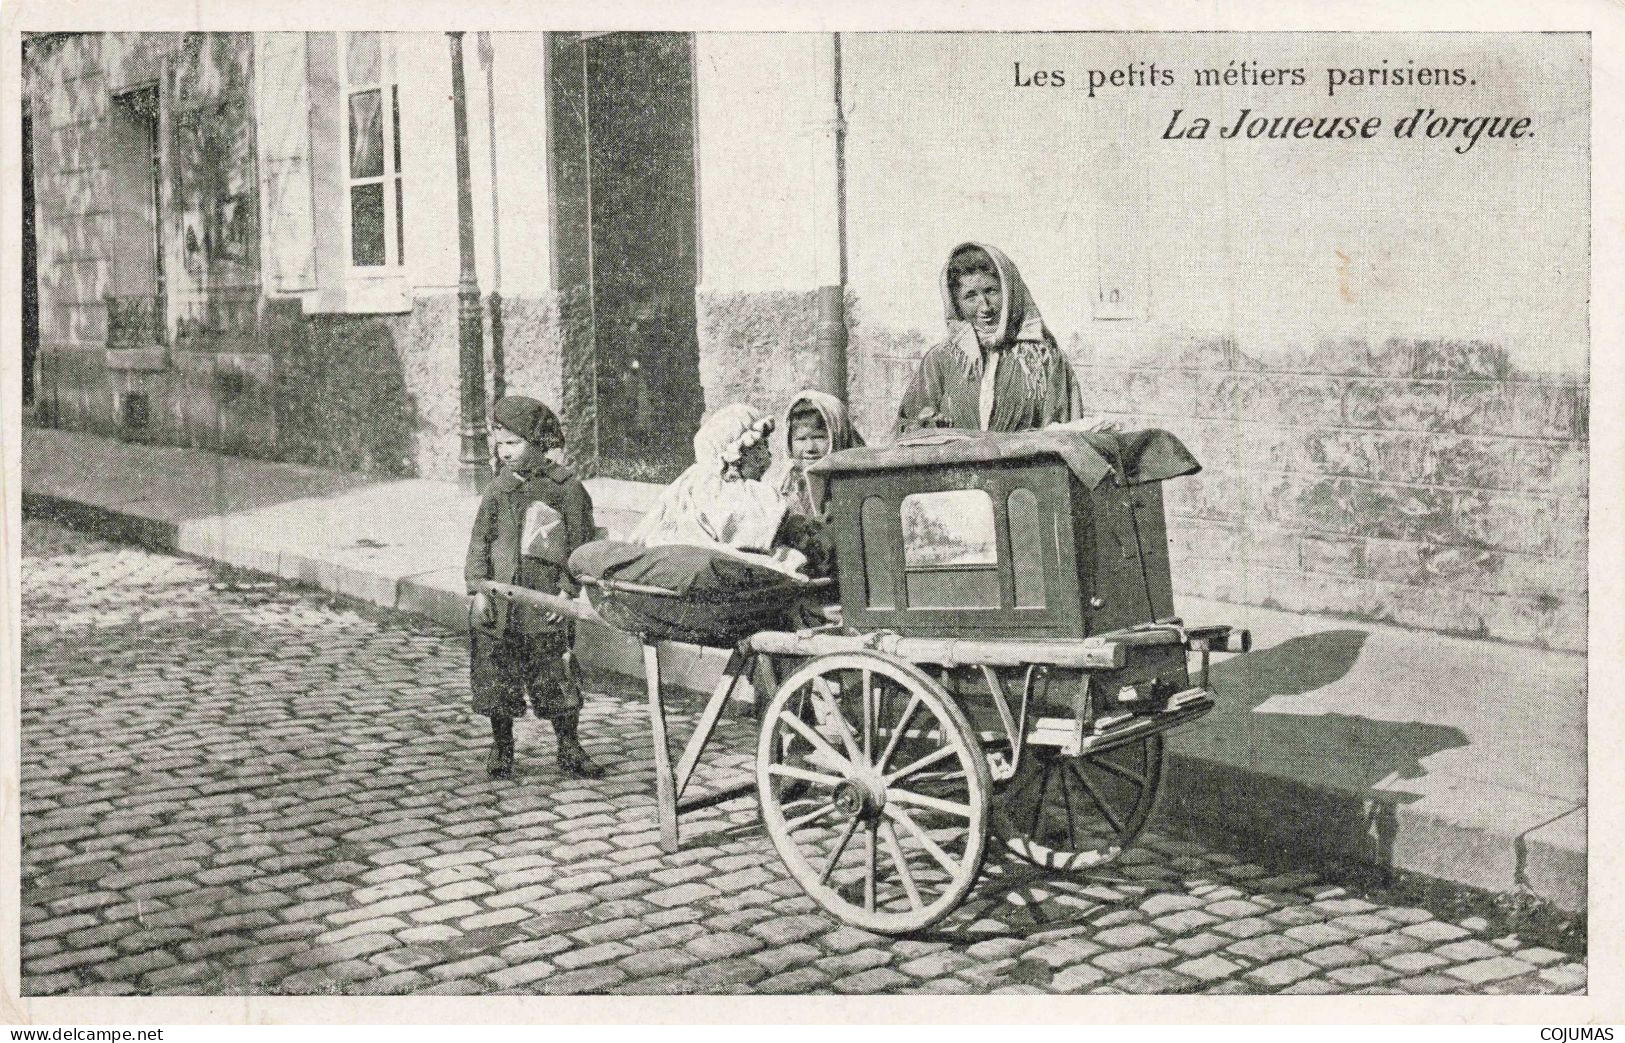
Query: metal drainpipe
(831,335)
(499,362)
(474,467)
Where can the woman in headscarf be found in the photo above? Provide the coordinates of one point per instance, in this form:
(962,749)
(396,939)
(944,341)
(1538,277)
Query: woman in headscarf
(721,499)
(999,368)
(815,425)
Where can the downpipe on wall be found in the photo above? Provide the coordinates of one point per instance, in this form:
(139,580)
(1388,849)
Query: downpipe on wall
(831,333)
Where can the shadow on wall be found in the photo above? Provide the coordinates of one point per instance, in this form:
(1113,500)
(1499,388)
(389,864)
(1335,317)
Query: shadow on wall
(1328,765)
(341,396)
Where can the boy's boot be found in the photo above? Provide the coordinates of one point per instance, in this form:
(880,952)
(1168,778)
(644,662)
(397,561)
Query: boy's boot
(499,763)
(573,760)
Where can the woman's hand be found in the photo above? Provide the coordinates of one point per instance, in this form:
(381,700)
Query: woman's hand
(927,418)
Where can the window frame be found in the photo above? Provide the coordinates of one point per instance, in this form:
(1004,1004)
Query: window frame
(144,101)
(390,177)
(869,543)
(924,581)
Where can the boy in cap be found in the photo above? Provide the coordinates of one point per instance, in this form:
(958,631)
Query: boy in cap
(533,514)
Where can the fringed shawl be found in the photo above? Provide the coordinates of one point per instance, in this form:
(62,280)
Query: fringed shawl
(1034,386)
(1020,334)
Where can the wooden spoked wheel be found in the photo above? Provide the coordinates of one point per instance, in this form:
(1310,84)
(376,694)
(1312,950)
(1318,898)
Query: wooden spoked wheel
(874,790)
(1077,813)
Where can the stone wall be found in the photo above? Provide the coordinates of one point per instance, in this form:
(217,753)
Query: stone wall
(1427,483)
(187,365)
(1420,482)
(757,347)
(229,367)
(379,393)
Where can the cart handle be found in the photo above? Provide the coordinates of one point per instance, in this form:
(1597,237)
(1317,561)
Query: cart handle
(620,586)
(560,604)
(1218,638)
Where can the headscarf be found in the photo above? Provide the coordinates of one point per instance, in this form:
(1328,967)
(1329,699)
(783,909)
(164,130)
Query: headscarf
(724,437)
(789,476)
(711,503)
(842,435)
(1021,330)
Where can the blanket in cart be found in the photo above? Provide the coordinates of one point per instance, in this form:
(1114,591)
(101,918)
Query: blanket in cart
(699,595)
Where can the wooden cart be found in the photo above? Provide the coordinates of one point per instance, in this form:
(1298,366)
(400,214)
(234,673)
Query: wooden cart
(1007,665)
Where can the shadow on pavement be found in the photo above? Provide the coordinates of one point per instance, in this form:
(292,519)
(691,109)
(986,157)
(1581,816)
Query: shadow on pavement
(1331,771)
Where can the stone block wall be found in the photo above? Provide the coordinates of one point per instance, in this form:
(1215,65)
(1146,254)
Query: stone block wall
(1426,483)
(379,393)
(198,368)
(1418,482)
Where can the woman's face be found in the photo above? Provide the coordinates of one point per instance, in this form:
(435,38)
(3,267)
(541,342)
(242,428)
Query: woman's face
(979,299)
(754,462)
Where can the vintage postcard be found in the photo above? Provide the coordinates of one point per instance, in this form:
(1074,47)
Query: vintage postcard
(579,515)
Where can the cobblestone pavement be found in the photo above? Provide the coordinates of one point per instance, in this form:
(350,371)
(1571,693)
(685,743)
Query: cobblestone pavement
(233,785)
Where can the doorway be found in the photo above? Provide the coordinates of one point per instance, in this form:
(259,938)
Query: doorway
(624,188)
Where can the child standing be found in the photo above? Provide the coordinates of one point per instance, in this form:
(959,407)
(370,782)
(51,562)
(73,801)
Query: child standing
(533,514)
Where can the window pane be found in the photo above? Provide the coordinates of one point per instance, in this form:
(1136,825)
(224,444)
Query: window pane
(400,225)
(137,269)
(878,565)
(366,135)
(948,528)
(1026,549)
(363,58)
(367,224)
(395,123)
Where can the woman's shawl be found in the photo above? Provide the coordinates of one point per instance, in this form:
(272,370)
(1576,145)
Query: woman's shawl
(1033,385)
(789,476)
(708,504)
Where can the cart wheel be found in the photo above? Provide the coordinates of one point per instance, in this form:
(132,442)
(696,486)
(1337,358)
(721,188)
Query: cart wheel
(889,830)
(1075,813)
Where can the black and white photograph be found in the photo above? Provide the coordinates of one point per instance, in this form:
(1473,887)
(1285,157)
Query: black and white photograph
(813,512)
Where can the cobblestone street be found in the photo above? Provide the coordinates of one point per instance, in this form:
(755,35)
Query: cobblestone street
(235,785)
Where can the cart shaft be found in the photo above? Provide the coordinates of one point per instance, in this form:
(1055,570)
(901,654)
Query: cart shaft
(1087,654)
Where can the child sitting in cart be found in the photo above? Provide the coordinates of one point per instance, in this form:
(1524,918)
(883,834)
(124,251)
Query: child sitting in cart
(816,425)
(725,538)
(721,501)
(531,517)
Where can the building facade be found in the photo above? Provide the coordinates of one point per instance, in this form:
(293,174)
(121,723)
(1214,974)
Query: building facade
(1377,348)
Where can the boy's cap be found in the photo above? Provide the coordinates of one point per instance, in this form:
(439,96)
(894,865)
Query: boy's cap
(529,419)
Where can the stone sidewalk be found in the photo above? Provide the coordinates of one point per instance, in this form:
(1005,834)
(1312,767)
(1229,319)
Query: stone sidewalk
(253,788)
(1458,759)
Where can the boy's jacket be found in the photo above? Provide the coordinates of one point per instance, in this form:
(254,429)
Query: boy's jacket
(560,513)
